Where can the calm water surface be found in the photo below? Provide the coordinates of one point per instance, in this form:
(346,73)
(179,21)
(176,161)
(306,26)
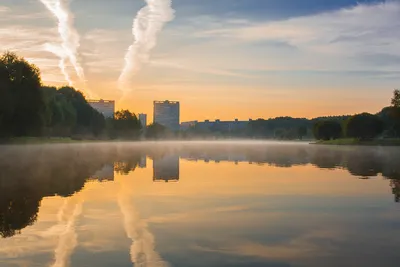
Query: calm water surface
(199,204)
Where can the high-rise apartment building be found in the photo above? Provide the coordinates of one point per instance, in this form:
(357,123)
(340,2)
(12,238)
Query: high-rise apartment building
(105,107)
(167,113)
(143,119)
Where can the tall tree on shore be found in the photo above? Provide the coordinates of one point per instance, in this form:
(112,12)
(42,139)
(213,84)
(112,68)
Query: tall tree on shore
(364,126)
(126,124)
(327,130)
(21,101)
(396,98)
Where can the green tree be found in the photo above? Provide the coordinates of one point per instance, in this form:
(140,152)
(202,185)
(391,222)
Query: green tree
(87,118)
(279,133)
(364,126)
(156,131)
(396,98)
(61,115)
(391,119)
(301,132)
(126,125)
(21,103)
(327,130)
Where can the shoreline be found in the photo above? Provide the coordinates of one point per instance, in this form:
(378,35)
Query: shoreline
(67,140)
(357,142)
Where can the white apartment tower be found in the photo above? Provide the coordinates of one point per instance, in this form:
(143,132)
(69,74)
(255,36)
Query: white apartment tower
(105,107)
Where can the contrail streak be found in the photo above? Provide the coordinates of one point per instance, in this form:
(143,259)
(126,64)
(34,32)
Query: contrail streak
(58,51)
(69,36)
(149,21)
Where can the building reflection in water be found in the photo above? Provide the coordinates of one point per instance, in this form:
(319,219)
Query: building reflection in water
(143,162)
(26,178)
(105,174)
(166,169)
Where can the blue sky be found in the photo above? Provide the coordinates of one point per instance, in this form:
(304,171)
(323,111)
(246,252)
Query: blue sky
(223,58)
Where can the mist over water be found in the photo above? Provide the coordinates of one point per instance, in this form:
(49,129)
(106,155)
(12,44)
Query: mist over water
(230,203)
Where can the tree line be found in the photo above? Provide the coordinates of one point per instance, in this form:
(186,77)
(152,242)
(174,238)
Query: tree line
(364,126)
(28,108)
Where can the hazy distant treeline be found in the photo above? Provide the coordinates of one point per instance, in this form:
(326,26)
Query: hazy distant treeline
(385,124)
(364,126)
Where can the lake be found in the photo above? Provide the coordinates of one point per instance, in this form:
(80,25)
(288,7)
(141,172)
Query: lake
(199,204)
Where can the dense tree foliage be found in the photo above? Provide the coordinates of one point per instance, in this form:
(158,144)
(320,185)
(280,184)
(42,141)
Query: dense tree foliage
(21,101)
(364,126)
(125,125)
(156,131)
(29,109)
(396,99)
(327,130)
(301,131)
(390,117)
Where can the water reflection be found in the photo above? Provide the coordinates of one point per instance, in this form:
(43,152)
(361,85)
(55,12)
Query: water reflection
(30,174)
(166,168)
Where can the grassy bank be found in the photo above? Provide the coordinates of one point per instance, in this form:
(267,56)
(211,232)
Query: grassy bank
(358,142)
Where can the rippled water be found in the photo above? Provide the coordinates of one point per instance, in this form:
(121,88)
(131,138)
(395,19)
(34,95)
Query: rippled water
(199,204)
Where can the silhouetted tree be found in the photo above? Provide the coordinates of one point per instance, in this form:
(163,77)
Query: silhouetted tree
(156,131)
(21,102)
(87,118)
(61,116)
(301,132)
(364,126)
(126,125)
(396,98)
(327,130)
(395,184)
(390,117)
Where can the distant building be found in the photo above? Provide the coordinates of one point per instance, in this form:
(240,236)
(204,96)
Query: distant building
(143,119)
(167,113)
(143,162)
(105,107)
(217,125)
(187,125)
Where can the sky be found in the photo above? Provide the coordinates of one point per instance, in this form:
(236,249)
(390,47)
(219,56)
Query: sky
(222,59)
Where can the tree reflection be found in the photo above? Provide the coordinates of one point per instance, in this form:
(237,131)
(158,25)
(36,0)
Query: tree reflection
(361,162)
(18,209)
(395,184)
(29,175)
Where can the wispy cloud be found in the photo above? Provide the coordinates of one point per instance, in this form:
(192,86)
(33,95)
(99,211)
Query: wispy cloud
(362,28)
(4,9)
(68,49)
(150,20)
